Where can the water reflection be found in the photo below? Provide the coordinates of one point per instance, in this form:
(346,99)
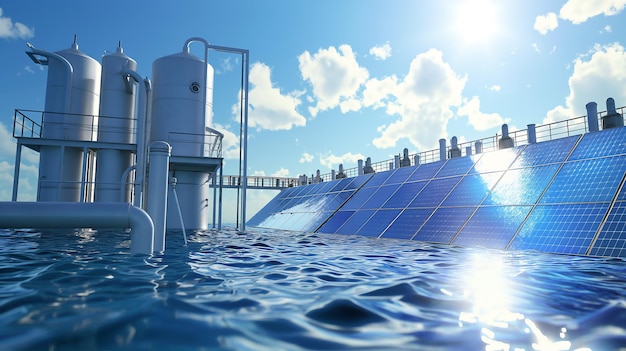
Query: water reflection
(488,284)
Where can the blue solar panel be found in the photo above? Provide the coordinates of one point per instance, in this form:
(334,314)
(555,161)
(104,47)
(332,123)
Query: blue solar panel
(612,238)
(443,225)
(409,221)
(587,181)
(560,228)
(600,144)
(495,161)
(400,175)
(521,186)
(380,196)
(358,199)
(355,222)
(546,152)
(378,179)
(434,192)
(341,184)
(378,222)
(458,166)
(406,192)
(426,171)
(472,189)
(334,222)
(359,181)
(492,226)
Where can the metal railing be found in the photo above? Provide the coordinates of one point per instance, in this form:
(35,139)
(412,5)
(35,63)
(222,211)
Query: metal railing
(260,182)
(545,132)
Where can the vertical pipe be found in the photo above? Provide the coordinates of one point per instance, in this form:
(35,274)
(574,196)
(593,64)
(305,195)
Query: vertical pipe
(592,116)
(442,149)
(478,146)
(16,171)
(468,150)
(245,54)
(360,166)
(160,152)
(532,134)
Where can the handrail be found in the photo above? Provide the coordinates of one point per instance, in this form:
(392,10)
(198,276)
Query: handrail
(545,132)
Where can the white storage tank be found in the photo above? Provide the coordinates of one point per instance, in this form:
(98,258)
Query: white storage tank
(117,123)
(182,102)
(72,101)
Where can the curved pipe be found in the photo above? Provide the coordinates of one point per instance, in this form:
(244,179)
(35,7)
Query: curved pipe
(69,73)
(82,215)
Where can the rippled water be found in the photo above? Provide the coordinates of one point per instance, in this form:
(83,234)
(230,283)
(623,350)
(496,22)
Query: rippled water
(272,290)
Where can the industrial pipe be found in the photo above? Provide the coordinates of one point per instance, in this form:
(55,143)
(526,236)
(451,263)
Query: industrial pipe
(82,215)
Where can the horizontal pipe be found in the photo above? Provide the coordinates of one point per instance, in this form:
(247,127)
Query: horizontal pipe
(82,215)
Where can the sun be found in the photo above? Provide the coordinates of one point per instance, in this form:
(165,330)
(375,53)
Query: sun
(476,21)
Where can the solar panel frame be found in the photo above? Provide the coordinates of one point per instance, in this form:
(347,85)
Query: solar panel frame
(354,222)
(521,186)
(611,240)
(443,225)
(407,223)
(426,171)
(378,222)
(434,192)
(609,142)
(472,189)
(547,152)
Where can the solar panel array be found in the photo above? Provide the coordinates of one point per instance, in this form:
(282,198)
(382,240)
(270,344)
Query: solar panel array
(562,196)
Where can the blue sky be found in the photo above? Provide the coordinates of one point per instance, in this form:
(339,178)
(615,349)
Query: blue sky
(336,81)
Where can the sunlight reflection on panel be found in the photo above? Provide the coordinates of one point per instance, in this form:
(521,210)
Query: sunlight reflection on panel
(489,286)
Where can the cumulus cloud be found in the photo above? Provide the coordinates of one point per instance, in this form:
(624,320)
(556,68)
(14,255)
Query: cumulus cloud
(335,77)
(477,119)
(579,11)
(230,142)
(306,158)
(423,100)
(381,52)
(546,23)
(9,29)
(332,160)
(283,172)
(595,77)
(495,87)
(377,91)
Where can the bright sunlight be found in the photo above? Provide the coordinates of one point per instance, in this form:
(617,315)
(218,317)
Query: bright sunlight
(476,21)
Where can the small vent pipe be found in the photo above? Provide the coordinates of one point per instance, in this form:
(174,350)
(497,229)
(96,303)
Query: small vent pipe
(592,116)
(531,134)
(442,149)
(612,118)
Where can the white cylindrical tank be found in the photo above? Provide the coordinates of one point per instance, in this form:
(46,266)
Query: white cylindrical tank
(72,117)
(192,190)
(116,124)
(182,100)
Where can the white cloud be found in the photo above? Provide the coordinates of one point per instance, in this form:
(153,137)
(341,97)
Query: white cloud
(595,77)
(269,109)
(495,87)
(377,91)
(479,120)
(331,160)
(335,76)
(546,23)
(423,100)
(608,29)
(579,11)
(306,158)
(381,52)
(8,29)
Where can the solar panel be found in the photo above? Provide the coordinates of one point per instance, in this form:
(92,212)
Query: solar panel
(495,161)
(334,222)
(521,186)
(434,192)
(378,223)
(380,196)
(407,223)
(546,152)
(492,226)
(601,144)
(406,192)
(458,166)
(612,238)
(594,180)
(560,228)
(443,225)
(359,198)
(472,189)
(378,179)
(426,171)
(400,175)
(355,222)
